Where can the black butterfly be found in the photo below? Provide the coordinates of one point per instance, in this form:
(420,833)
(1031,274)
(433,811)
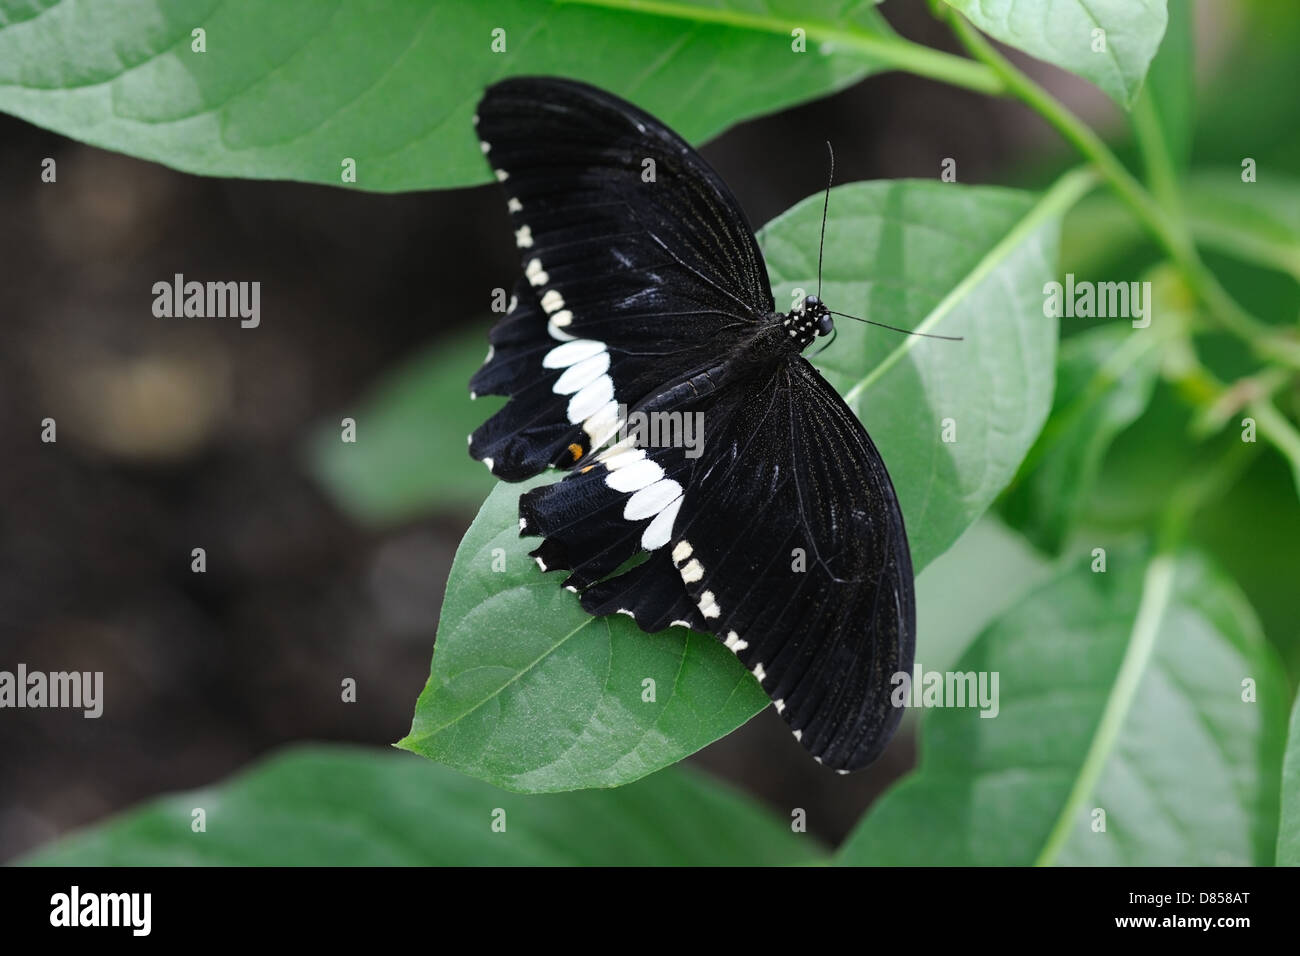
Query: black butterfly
(645,291)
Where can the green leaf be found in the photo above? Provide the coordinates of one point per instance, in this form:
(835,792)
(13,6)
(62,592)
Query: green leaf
(409,456)
(1104,381)
(1062,33)
(987,571)
(343,806)
(1288,837)
(1256,222)
(529,692)
(290,89)
(946,259)
(1119,691)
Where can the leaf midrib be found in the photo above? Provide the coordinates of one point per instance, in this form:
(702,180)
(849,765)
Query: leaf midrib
(1063,194)
(426,735)
(1157,595)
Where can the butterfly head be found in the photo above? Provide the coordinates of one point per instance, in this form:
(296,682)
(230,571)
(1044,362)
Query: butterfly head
(815,310)
(805,323)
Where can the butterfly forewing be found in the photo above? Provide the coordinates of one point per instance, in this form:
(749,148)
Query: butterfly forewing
(630,245)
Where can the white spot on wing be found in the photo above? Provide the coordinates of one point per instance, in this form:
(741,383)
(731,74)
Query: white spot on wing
(535,273)
(635,476)
(652,499)
(708,606)
(622,458)
(514,205)
(524,237)
(692,572)
(558,333)
(759,672)
(658,532)
(578,376)
(682,552)
(502,175)
(603,424)
(571,353)
(552,301)
(591,398)
(734,643)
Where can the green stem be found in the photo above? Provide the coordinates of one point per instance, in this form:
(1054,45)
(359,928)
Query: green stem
(1160,170)
(888,48)
(1168,230)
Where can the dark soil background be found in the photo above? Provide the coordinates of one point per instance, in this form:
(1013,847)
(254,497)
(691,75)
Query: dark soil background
(175,434)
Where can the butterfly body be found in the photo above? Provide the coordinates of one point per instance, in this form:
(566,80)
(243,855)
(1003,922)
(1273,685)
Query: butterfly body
(644,294)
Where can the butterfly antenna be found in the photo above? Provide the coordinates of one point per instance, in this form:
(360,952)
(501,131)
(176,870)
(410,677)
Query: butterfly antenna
(893,328)
(834,332)
(826,205)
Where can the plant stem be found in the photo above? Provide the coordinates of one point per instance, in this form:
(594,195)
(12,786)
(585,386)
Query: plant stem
(1155,153)
(1168,230)
(886,47)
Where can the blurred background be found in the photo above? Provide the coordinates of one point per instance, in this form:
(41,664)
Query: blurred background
(177,434)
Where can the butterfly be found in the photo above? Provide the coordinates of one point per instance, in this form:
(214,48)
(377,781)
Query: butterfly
(644,292)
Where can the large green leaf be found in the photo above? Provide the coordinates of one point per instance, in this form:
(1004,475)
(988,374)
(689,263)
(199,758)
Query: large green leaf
(290,89)
(1119,691)
(968,261)
(1288,837)
(1062,32)
(332,806)
(1104,381)
(409,455)
(530,693)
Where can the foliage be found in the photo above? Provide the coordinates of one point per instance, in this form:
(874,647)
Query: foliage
(1149,690)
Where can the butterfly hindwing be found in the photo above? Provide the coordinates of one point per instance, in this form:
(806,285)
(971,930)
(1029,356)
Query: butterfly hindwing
(787,544)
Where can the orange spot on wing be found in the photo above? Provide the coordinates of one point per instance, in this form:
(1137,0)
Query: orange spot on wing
(576,451)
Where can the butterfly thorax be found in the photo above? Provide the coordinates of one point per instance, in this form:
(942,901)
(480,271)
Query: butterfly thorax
(803,324)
